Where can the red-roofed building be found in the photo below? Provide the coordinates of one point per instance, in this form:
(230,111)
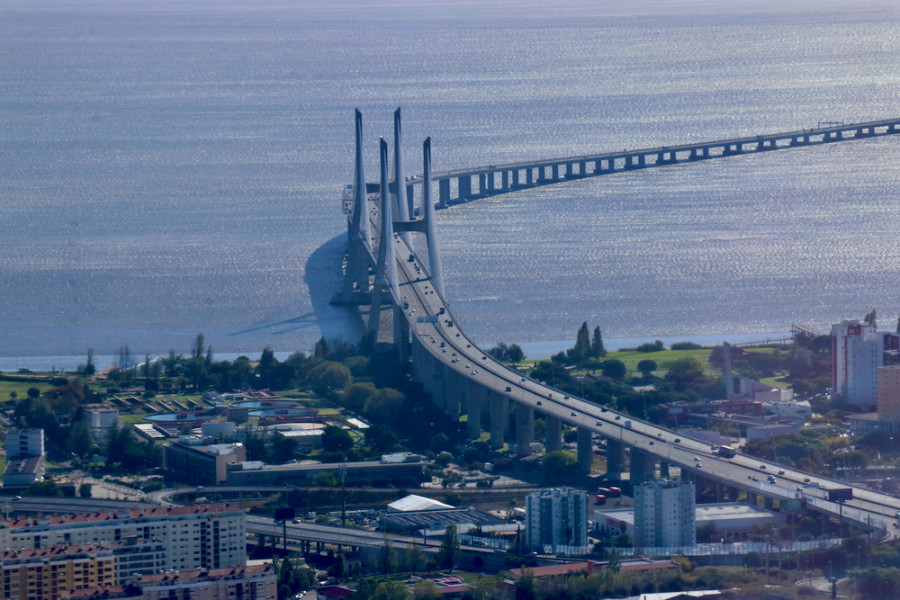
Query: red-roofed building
(50,573)
(254,581)
(205,536)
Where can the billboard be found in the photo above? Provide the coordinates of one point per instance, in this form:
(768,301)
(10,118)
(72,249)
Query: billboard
(284,514)
(840,494)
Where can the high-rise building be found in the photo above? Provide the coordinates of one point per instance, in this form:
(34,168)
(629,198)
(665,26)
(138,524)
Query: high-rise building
(664,514)
(50,573)
(205,536)
(857,352)
(556,518)
(889,397)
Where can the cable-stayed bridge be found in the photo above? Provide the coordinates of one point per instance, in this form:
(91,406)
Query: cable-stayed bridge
(385,272)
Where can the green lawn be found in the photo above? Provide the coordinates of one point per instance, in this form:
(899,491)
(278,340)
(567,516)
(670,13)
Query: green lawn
(663,359)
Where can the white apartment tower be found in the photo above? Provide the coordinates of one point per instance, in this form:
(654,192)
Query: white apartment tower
(664,514)
(556,518)
(889,397)
(24,442)
(857,352)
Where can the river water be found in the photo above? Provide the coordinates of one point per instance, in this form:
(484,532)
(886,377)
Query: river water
(172,170)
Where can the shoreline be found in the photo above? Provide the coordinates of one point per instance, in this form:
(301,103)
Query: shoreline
(533,350)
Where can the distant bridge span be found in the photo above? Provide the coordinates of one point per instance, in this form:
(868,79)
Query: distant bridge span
(384,269)
(459,186)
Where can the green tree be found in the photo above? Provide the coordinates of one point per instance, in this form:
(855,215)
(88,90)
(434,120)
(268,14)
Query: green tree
(448,553)
(557,466)
(646,367)
(582,349)
(79,441)
(391,590)
(336,439)
(34,393)
(329,377)
(84,490)
(597,348)
(685,372)
(388,558)
(324,479)
(614,369)
(426,589)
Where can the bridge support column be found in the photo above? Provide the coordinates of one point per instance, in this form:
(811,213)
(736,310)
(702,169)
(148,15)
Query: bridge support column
(615,459)
(439,384)
(455,393)
(499,418)
(504,180)
(768,502)
(718,491)
(664,469)
(752,499)
(529,176)
(642,467)
(524,429)
(515,178)
(733,493)
(444,193)
(555,170)
(482,183)
(582,168)
(585,453)
(568,171)
(474,405)
(464,185)
(552,433)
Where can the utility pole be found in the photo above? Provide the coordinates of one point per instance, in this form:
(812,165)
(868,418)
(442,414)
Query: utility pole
(343,472)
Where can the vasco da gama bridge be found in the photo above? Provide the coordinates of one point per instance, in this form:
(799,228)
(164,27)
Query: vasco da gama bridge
(384,272)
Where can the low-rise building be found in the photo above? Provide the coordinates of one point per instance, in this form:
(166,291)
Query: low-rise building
(733,520)
(254,581)
(22,471)
(201,464)
(358,473)
(24,442)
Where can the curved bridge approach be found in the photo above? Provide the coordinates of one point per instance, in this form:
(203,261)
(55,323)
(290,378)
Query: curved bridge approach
(384,271)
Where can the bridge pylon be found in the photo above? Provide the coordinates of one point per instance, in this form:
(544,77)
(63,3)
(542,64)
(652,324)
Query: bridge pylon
(359,261)
(385,264)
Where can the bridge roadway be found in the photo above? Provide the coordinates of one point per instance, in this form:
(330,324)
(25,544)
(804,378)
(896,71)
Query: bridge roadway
(444,343)
(457,372)
(527,174)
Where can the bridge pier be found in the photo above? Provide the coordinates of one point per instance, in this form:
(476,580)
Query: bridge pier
(664,469)
(642,467)
(582,168)
(524,429)
(504,181)
(515,178)
(499,420)
(529,177)
(552,433)
(444,193)
(464,186)
(752,499)
(585,453)
(482,184)
(555,170)
(475,403)
(615,459)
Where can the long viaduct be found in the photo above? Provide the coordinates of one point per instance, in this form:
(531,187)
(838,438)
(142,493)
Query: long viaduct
(384,271)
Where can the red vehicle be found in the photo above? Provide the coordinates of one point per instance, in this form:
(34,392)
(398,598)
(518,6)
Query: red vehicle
(601,499)
(615,492)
